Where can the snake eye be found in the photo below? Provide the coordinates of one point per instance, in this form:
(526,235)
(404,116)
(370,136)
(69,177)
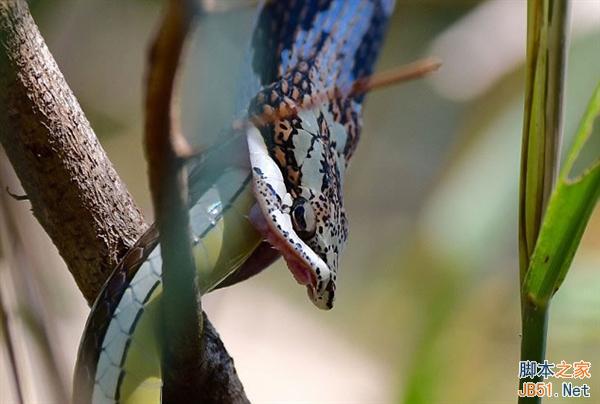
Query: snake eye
(303,219)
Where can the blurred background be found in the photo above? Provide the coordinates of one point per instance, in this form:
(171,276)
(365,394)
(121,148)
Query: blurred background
(428,303)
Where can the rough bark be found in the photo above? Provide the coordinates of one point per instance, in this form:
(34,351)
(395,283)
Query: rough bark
(219,379)
(74,190)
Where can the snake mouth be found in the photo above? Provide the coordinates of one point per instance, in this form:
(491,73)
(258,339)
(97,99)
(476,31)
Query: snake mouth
(309,271)
(298,267)
(271,217)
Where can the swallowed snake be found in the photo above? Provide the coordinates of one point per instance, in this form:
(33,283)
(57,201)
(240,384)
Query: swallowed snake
(285,200)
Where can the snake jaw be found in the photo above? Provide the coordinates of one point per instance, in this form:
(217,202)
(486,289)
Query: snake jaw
(271,218)
(301,265)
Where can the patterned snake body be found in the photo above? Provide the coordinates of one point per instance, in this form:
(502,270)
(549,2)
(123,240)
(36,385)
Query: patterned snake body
(290,194)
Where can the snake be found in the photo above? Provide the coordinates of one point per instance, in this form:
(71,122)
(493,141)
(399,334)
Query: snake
(272,188)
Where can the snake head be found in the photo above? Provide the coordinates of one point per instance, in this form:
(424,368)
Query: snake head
(298,165)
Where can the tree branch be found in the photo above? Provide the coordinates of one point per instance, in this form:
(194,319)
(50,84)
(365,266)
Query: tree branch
(74,190)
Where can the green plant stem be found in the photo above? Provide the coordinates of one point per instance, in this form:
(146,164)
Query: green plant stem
(534,323)
(535,320)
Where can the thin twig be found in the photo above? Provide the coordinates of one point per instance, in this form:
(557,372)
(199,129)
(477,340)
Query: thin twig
(411,71)
(17,197)
(377,81)
(165,147)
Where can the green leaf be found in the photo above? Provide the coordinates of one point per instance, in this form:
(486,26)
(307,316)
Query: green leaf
(542,124)
(567,215)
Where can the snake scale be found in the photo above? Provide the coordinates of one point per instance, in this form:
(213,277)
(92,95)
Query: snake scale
(287,200)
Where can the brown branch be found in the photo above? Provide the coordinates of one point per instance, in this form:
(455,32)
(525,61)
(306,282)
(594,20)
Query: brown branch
(188,368)
(75,192)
